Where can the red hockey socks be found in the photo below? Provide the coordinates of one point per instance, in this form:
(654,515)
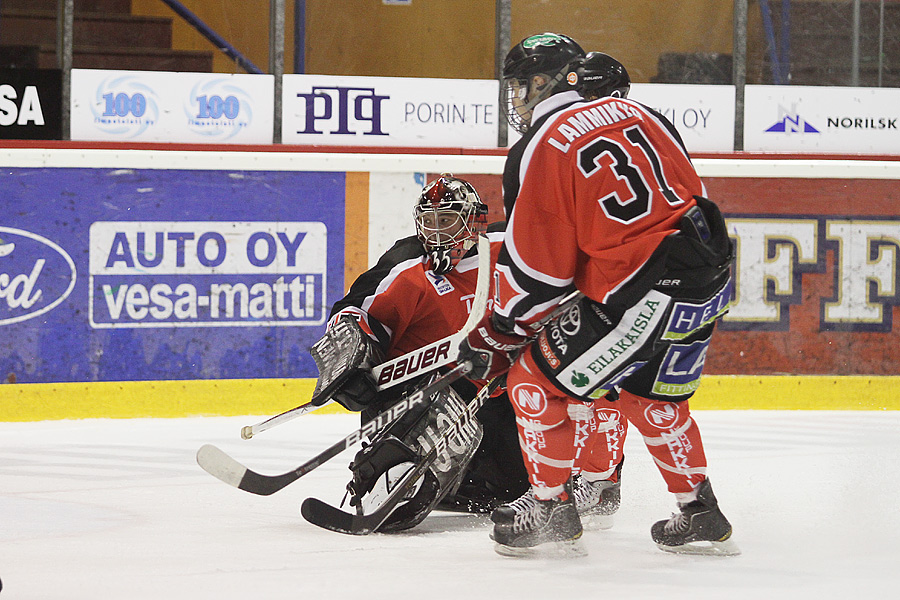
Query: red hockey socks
(672,437)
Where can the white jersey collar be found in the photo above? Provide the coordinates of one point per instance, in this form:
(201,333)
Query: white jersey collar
(554,102)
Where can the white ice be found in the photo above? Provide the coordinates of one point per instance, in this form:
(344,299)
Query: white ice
(119,509)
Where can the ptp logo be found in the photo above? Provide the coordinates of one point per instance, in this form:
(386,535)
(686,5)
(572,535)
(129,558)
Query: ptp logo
(347,109)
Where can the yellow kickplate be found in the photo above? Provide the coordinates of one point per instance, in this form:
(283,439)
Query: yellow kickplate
(797,392)
(136,399)
(267,397)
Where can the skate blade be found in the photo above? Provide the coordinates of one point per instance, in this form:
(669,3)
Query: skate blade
(719,548)
(597,522)
(567,549)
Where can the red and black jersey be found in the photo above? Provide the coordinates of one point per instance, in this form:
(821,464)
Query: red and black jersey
(512,166)
(402,304)
(602,183)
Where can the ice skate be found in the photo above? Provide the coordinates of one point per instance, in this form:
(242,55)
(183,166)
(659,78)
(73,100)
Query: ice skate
(528,526)
(597,501)
(698,528)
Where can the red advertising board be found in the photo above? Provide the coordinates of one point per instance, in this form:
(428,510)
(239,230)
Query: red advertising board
(820,258)
(816,274)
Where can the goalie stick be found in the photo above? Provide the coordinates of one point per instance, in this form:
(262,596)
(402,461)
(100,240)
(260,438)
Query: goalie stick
(329,517)
(392,372)
(222,466)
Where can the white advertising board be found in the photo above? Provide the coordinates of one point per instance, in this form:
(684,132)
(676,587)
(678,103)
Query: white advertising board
(160,106)
(389,111)
(702,114)
(843,120)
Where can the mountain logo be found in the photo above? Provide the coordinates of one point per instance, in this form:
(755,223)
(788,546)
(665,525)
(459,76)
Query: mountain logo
(790,121)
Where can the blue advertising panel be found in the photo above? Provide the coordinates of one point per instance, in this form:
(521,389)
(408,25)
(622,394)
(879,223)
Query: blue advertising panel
(140,274)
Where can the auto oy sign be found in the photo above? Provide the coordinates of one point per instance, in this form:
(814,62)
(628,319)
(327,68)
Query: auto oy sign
(207,274)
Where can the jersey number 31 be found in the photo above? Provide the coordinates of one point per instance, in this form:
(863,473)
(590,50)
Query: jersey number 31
(604,152)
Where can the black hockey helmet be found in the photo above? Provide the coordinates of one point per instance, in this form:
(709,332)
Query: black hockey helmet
(535,69)
(602,76)
(449,216)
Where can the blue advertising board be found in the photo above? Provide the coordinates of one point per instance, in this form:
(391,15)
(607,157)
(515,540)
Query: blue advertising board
(143,274)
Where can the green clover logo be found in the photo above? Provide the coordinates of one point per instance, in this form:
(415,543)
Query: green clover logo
(580,379)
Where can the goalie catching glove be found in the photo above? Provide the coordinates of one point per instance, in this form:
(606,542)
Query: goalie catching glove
(490,351)
(345,356)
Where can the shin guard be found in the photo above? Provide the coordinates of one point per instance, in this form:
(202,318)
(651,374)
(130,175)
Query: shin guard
(607,444)
(546,432)
(671,436)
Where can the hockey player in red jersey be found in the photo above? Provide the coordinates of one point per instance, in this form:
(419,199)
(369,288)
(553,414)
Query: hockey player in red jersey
(420,291)
(606,204)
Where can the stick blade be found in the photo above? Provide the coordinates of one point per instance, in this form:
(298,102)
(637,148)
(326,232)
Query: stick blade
(223,467)
(334,519)
(220,465)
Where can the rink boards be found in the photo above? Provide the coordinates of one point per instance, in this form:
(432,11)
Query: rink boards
(173,399)
(186,280)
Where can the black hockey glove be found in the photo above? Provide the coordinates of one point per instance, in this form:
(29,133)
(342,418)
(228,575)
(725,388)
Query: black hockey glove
(490,351)
(357,392)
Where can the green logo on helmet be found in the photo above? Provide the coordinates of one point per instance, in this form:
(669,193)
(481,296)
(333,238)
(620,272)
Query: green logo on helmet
(543,39)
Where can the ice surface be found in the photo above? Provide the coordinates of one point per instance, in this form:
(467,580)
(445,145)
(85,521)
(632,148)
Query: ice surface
(119,509)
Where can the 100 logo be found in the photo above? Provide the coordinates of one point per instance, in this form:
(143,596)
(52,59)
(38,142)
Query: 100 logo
(209,107)
(213,107)
(121,105)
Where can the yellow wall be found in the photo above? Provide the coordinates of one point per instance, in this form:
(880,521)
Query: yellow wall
(452,38)
(234,397)
(634,31)
(243,23)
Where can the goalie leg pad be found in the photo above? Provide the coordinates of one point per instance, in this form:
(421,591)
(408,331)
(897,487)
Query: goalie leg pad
(404,444)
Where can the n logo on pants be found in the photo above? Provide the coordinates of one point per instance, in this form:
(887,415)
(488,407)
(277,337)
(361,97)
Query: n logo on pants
(530,399)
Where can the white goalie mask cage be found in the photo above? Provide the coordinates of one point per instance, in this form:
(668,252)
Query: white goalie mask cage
(449,215)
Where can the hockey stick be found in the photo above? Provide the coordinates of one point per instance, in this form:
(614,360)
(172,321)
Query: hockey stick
(248,431)
(222,466)
(565,304)
(412,364)
(329,517)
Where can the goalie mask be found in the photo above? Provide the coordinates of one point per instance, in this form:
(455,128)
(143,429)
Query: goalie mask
(449,216)
(535,69)
(603,76)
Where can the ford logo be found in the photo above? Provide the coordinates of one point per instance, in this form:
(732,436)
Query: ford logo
(36,275)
